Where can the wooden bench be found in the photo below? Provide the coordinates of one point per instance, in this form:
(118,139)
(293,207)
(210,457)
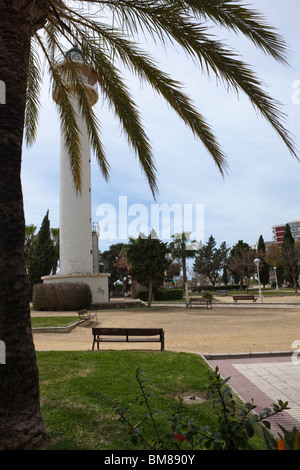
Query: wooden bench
(116,295)
(128,335)
(244,297)
(222,292)
(85,315)
(200,301)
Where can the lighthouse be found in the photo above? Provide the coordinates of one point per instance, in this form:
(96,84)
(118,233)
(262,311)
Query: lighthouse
(78,248)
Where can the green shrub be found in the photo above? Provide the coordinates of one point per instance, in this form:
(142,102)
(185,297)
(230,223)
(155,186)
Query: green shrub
(205,288)
(163,294)
(208,295)
(65,296)
(168,294)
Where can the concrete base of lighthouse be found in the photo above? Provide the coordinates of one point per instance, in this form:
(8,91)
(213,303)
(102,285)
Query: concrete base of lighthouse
(98,283)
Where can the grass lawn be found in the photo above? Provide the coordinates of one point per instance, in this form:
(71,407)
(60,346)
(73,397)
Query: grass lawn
(77,390)
(267,291)
(39,322)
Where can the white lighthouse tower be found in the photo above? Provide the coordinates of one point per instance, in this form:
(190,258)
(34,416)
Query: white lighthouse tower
(78,249)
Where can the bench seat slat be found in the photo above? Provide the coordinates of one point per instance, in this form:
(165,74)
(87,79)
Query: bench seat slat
(124,340)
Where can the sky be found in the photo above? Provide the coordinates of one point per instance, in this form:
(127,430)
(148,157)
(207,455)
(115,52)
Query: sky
(261,187)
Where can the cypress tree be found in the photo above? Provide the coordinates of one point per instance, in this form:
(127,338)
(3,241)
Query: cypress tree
(42,262)
(225,276)
(264,269)
(288,239)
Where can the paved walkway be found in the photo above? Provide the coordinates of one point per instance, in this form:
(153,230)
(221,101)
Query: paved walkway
(264,380)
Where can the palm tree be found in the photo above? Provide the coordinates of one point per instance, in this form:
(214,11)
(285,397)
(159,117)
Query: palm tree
(32,29)
(183,248)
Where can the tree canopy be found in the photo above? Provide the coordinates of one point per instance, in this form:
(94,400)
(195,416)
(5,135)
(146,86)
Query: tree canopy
(148,262)
(241,262)
(209,260)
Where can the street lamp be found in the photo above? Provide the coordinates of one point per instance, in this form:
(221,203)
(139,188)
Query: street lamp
(257,261)
(275,269)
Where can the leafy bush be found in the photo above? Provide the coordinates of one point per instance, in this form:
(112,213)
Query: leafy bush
(211,288)
(235,426)
(65,296)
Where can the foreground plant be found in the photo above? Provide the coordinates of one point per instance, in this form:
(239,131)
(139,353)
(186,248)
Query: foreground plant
(106,33)
(236,423)
(287,440)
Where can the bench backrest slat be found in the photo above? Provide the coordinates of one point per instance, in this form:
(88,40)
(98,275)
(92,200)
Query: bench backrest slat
(127,331)
(243,296)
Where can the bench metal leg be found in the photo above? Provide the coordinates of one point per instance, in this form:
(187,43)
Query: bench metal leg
(94,344)
(162,342)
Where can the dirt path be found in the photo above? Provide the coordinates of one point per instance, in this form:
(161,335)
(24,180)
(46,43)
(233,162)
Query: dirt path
(223,329)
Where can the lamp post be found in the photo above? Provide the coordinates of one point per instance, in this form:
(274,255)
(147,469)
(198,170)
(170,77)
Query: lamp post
(257,261)
(275,269)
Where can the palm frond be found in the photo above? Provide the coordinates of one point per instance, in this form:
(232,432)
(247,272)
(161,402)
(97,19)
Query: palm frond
(67,116)
(238,18)
(106,48)
(119,99)
(141,64)
(121,102)
(155,18)
(173,19)
(33,97)
(79,87)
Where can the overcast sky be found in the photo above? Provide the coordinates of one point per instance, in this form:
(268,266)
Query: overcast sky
(261,188)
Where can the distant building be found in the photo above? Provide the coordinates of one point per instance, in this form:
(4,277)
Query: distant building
(278,230)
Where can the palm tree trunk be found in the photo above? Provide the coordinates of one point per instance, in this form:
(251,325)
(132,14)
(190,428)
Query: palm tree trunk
(21,423)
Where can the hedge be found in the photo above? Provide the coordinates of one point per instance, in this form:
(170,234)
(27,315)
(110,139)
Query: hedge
(169,294)
(206,288)
(65,296)
(163,294)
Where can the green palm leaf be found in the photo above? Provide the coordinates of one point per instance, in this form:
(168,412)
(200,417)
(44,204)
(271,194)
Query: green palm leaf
(33,98)
(109,44)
